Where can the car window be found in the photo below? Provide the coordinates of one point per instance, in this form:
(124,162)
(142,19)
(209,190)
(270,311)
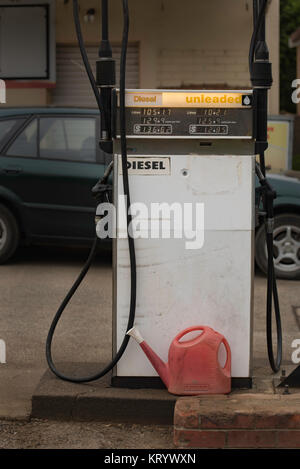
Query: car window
(26,142)
(68,138)
(5,127)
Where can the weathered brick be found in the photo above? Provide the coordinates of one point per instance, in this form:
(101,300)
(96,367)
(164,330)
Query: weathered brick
(280,420)
(251,439)
(288,439)
(186,420)
(226,421)
(199,439)
(238,421)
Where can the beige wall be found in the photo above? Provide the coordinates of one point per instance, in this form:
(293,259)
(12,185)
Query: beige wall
(26,97)
(192,43)
(273,38)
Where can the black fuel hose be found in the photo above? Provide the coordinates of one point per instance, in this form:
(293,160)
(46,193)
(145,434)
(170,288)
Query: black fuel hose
(273,292)
(268,196)
(259,14)
(93,251)
(84,55)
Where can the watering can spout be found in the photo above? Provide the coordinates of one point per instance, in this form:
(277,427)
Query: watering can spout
(161,367)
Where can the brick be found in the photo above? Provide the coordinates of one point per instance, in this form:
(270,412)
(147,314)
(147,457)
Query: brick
(227,421)
(199,439)
(251,439)
(288,439)
(186,420)
(242,420)
(278,420)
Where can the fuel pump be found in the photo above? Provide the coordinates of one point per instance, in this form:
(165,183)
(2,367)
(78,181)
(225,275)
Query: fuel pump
(186,147)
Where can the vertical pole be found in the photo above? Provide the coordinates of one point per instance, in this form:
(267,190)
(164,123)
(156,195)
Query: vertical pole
(106,81)
(105,20)
(261,76)
(105,47)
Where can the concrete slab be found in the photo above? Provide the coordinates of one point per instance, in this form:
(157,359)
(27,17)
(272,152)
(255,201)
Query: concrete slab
(54,399)
(59,400)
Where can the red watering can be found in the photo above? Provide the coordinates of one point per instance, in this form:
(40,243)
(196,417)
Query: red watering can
(193,367)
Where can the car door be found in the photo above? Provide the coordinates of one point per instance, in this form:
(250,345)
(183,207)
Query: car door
(16,167)
(55,184)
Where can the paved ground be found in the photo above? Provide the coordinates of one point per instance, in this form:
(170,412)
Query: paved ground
(76,435)
(32,287)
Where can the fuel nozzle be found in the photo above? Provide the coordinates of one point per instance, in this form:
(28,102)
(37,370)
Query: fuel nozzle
(261,76)
(106,81)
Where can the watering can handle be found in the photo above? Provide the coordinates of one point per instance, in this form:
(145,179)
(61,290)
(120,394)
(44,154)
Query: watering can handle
(227,366)
(188,330)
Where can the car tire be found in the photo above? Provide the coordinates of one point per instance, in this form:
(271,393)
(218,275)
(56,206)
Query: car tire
(286,247)
(9,234)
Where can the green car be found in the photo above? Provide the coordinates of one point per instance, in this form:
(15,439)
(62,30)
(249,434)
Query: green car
(50,160)
(286,230)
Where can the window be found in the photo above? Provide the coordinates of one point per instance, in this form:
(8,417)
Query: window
(6,127)
(68,138)
(24,39)
(26,143)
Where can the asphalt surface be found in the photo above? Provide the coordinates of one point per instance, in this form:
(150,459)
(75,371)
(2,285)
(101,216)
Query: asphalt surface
(77,435)
(31,289)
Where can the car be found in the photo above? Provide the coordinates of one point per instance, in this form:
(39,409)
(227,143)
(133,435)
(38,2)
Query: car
(49,161)
(286,227)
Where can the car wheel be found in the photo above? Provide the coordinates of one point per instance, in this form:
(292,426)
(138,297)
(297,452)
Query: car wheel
(9,234)
(286,247)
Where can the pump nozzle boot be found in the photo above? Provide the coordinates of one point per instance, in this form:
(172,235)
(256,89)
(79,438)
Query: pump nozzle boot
(161,367)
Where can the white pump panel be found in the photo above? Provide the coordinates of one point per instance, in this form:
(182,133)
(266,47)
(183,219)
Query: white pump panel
(176,287)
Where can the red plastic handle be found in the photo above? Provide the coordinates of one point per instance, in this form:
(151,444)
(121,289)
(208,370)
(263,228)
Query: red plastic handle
(227,366)
(187,331)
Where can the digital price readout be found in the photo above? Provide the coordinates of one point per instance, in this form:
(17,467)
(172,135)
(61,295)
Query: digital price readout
(147,117)
(153,129)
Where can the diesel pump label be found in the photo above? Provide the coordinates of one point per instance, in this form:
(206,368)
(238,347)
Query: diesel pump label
(189,115)
(153,166)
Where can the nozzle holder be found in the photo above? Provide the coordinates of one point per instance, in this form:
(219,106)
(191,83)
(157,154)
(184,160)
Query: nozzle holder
(261,75)
(106,72)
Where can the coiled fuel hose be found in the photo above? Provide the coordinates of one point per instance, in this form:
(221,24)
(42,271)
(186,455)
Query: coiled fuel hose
(267,192)
(93,251)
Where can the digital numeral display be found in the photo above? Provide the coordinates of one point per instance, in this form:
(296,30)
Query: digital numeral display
(146,129)
(209,120)
(212,112)
(208,129)
(156,112)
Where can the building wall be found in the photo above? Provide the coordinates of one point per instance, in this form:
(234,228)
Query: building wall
(31,92)
(273,39)
(191,44)
(182,44)
(26,97)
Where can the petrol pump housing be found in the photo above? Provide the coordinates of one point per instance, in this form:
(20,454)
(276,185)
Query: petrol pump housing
(187,147)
